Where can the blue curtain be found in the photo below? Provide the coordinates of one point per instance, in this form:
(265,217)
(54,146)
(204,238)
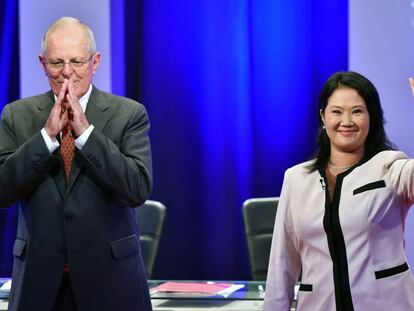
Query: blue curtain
(9,91)
(231,89)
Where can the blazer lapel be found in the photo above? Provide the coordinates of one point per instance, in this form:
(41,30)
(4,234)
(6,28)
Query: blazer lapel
(44,107)
(97,115)
(97,110)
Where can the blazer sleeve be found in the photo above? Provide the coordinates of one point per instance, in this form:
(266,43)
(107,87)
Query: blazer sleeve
(284,261)
(401,176)
(22,167)
(124,169)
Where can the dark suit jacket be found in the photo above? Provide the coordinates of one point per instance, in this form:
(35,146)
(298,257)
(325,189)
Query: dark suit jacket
(87,223)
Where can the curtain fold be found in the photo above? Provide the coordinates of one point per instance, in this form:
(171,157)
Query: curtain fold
(231,89)
(9,91)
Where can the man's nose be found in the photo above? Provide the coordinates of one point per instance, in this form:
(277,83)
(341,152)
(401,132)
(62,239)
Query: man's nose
(67,70)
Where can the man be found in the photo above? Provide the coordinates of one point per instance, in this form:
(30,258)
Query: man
(77,245)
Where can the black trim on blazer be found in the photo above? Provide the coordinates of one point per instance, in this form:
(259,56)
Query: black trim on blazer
(336,244)
(370,186)
(306,287)
(391,271)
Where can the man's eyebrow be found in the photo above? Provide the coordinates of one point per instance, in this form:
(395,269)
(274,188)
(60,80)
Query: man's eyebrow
(62,60)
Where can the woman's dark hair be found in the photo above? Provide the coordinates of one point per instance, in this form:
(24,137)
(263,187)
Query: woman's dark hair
(376,140)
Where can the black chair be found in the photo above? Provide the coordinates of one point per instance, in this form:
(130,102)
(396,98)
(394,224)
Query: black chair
(259,218)
(150,219)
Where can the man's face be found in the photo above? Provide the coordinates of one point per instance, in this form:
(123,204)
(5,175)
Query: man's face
(69,44)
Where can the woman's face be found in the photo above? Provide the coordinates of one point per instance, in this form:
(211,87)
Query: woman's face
(346,120)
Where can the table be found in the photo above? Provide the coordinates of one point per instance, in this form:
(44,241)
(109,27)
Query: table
(249,298)
(3,295)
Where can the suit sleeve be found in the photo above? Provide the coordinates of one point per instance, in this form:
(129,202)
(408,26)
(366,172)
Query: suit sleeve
(401,176)
(284,261)
(22,167)
(125,169)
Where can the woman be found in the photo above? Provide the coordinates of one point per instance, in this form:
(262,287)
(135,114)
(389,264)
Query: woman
(340,219)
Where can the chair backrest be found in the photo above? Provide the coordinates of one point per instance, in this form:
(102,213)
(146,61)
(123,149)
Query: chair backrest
(259,218)
(150,220)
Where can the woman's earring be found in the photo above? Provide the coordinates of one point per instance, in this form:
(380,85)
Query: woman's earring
(323,126)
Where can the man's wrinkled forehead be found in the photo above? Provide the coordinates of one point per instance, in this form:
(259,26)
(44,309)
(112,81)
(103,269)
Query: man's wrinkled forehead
(67,40)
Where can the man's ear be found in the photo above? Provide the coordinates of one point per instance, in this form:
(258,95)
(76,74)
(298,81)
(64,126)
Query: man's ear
(96,61)
(42,63)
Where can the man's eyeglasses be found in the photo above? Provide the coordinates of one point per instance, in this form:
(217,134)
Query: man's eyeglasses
(73,63)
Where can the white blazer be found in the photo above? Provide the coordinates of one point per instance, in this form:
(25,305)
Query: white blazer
(351,250)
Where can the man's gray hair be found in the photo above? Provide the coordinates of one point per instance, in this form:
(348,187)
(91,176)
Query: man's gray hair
(64,21)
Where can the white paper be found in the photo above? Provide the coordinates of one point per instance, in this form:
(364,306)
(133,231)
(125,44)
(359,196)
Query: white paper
(230,290)
(6,286)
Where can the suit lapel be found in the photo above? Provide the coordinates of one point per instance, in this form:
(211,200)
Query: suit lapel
(97,110)
(97,113)
(44,106)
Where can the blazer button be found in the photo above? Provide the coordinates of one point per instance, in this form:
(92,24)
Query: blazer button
(68,218)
